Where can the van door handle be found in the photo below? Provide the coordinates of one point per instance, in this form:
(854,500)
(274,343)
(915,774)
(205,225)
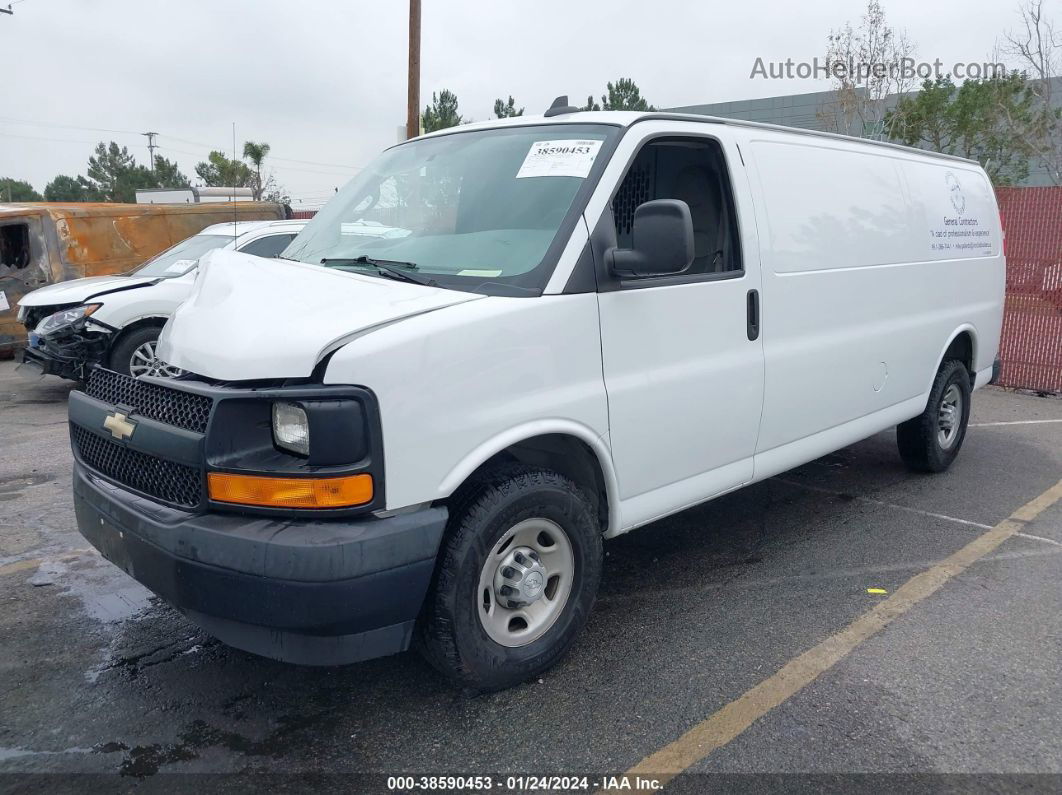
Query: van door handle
(753,317)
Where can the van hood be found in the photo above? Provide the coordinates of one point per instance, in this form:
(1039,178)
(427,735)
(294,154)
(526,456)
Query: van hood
(78,291)
(250,318)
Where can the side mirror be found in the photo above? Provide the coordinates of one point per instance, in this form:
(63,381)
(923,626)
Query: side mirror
(662,241)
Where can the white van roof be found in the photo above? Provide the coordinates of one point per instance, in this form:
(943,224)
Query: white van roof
(625,118)
(243,227)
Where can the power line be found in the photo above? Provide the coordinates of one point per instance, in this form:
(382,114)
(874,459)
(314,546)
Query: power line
(56,140)
(209,147)
(314,163)
(271,155)
(281,166)
(9,120)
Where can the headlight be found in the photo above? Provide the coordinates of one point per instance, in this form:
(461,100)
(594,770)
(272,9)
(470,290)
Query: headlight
(65,318)
(291,429)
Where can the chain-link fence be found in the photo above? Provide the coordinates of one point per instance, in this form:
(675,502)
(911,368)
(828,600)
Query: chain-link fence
(1031,347)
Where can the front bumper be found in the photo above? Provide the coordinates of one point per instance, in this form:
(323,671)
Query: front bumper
(68,356)
(41,362)
(314,592)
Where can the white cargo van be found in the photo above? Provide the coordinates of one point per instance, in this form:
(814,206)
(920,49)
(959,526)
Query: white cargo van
(569,326)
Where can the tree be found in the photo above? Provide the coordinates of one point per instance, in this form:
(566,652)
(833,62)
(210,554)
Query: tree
(256,153)
(1037,45)
(107,167)
(441,113)
(865,67)
(622,95)
(114,176)
(273,192)
(506,110)
(17,190)
(168,175)
(974,120)
(218,171)
(69,189)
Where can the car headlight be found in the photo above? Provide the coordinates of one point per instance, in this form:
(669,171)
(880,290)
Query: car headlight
(65,318)
(291,429)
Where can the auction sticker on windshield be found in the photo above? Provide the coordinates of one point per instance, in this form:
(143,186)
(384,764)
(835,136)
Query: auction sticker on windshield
(566,158)
(180,266)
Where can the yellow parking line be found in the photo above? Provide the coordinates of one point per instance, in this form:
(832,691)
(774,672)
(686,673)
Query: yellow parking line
(33,563)
(733,719)
(20,565)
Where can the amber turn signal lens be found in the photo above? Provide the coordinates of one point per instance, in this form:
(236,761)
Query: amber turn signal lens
(342,492)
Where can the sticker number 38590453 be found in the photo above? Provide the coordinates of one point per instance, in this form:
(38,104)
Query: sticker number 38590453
(565,158)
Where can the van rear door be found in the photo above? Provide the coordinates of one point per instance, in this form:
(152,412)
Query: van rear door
(682,358)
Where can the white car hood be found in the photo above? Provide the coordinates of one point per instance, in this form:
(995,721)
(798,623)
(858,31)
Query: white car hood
(78,291)
(249,318)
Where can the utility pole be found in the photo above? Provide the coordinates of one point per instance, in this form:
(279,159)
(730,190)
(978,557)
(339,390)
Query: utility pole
(152,146)
(413,98)
(7,10)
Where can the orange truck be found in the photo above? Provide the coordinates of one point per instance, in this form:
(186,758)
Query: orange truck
(43,243)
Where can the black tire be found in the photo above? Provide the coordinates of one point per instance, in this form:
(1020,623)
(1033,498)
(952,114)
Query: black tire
(450,633)
(918,440)
(122,351)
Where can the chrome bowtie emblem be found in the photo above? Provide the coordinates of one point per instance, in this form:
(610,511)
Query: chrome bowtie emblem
(119,425)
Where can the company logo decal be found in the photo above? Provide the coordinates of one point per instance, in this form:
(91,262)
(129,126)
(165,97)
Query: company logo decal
(958,198)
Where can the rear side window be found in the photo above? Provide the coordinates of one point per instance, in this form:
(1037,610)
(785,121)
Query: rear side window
(268,247)
(14,246)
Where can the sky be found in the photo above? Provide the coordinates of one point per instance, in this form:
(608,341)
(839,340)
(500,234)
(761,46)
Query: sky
(324,81)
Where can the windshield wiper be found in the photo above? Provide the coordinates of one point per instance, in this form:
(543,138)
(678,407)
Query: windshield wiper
(395,269)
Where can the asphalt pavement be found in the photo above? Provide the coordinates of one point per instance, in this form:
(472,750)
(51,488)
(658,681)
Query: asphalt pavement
(98,676)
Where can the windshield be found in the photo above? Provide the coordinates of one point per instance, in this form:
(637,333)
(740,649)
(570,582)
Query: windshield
(475,211)
(178,260)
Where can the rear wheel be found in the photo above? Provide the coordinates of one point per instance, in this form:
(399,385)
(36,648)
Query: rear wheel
(135,354)
(517,576)
(930,441)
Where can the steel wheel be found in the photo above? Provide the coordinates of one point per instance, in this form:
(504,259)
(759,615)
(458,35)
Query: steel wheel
(949,417)
(525,582)
(145,361)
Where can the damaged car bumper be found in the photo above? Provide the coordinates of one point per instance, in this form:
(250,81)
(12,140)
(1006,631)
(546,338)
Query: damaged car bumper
(69,352)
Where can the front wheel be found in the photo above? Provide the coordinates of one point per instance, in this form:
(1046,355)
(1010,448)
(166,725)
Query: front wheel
(135,354)
(516,579)
(930,441)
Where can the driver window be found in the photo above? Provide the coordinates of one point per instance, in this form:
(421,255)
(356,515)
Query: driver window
(694,171)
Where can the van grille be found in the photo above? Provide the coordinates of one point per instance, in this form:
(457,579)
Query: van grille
(165,480)
(172,406)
